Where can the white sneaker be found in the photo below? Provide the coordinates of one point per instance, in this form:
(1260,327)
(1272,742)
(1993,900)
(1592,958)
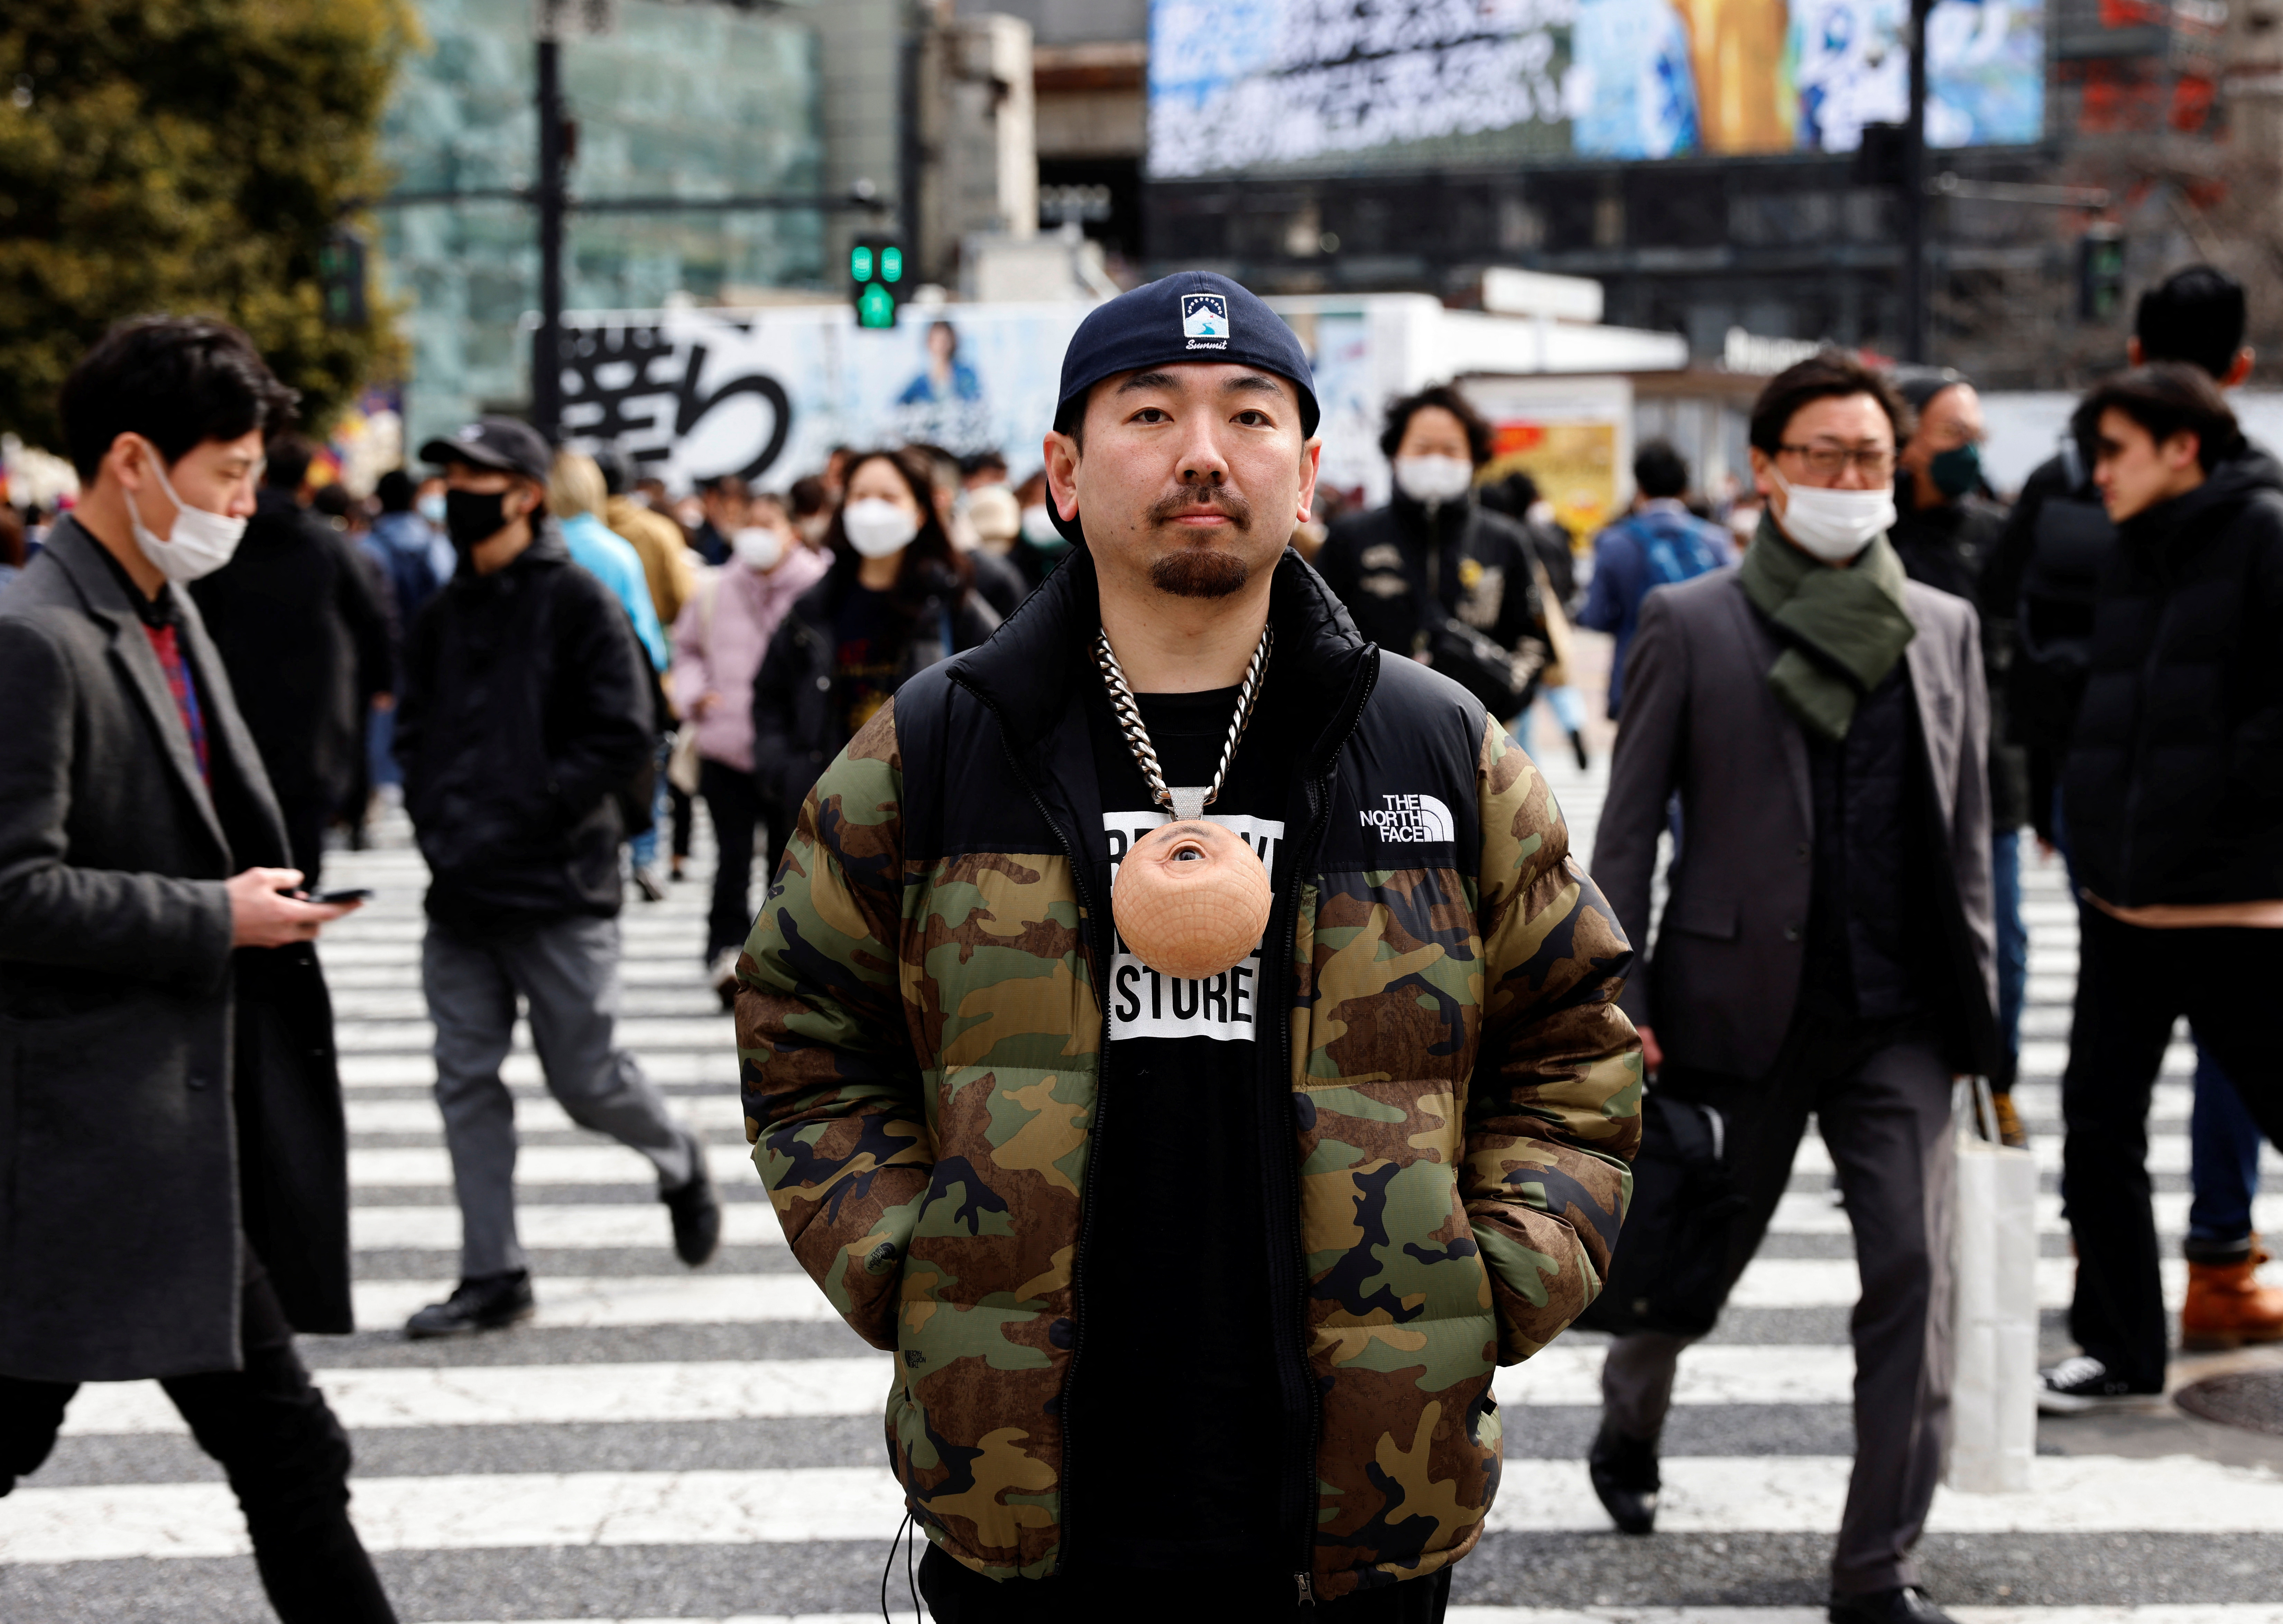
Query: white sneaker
(2081,1384)
(722,976)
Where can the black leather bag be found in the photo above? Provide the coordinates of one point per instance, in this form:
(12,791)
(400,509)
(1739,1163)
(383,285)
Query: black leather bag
(1670,1272)
(1478,665)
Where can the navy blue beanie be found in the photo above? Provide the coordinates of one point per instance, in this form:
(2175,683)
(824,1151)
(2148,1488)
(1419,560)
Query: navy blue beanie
(1189,317)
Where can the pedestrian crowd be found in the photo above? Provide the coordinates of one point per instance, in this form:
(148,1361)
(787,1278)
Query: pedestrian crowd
(1464,1088)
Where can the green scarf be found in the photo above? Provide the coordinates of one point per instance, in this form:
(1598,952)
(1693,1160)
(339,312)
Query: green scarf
(1843,627)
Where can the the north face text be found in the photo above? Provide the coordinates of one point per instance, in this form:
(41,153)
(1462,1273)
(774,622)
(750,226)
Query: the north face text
(1409,819)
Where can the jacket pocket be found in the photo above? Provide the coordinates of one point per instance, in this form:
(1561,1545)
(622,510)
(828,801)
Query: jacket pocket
(1717,917)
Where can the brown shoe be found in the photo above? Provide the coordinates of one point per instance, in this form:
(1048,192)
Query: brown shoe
(2227,1307)
(2010,1134)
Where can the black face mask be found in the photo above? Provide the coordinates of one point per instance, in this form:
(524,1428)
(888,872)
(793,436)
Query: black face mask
(472,517)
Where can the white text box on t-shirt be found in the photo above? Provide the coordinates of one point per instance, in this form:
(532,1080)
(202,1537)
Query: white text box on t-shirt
(1144,1004)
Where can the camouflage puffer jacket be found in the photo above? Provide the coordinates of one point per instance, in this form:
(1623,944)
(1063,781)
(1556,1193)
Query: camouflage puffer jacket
(1455,1092)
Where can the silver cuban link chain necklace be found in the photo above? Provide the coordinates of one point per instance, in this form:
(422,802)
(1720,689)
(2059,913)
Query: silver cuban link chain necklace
(1184,804)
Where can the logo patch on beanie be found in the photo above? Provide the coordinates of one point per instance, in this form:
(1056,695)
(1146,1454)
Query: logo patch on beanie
(1205,315)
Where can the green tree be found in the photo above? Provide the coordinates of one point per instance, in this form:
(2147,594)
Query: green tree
(190,156)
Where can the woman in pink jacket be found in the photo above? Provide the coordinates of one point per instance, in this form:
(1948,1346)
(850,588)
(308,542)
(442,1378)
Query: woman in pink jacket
(719,640)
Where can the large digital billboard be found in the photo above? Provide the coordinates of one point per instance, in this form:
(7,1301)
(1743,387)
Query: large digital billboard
(1338,86)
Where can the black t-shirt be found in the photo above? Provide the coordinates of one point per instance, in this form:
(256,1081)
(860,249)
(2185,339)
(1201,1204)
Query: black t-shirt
(1176,1405)
(867,655)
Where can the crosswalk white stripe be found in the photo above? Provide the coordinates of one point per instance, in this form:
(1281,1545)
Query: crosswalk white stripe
(613,1164)
(624,1300)
(708,1112)
(547,1395)
(713,1298)
(2168,1153)
(639,1032)
(537,1164)
(411,1068)
(542,1394)
(1828,1282)
(1812,1212)
(754,1223)
(2085,1494)
(598,1224)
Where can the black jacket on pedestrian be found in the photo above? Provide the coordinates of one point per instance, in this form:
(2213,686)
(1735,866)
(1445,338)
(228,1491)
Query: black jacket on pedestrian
(160,1092)
(798,707)
(2173,791)
(528,707)
(1387,565)
(1949,546)
(306,641)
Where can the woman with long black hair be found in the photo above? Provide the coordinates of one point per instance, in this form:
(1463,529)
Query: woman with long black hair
(898,598)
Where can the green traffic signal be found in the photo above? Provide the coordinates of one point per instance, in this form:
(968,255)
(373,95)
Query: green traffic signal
(860,262)
(892,264)
(875,307)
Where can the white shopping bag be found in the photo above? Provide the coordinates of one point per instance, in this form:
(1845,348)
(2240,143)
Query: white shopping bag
(1994,1401)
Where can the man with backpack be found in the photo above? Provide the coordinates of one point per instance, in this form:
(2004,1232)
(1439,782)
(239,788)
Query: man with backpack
(1660,543)
(525,731)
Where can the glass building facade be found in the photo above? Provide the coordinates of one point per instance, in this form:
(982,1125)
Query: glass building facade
(692,100)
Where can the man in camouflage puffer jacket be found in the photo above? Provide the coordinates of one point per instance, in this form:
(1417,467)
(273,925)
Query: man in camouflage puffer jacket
(1428,1140)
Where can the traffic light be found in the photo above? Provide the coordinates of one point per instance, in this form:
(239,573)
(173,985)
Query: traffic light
(875,279)
(341,278)
(2099,273)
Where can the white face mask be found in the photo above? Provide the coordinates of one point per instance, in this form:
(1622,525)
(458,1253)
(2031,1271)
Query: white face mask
(199,542)
(1835,525)
(1039,527)
(430,507)
(758,547)
(1434,480)
(877,527)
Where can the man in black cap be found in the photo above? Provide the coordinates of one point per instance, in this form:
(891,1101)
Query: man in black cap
(525,720)
(1196,1281)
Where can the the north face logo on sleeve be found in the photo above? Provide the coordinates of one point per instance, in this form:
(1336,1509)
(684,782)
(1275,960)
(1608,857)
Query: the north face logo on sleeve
(1410,821)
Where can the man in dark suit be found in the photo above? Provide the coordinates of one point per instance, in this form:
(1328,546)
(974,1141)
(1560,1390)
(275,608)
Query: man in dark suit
(1827,947)
(178,1205)
(304,640)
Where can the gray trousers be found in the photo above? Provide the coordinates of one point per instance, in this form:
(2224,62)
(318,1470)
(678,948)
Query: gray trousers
(567,974)
(1885,1114)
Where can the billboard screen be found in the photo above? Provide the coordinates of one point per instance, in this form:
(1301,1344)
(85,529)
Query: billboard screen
(1338,86)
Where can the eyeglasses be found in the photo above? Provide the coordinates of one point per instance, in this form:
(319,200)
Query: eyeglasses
(1829,462)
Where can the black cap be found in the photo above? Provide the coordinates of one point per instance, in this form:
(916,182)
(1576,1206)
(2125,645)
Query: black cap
(501,443)
(1189,317)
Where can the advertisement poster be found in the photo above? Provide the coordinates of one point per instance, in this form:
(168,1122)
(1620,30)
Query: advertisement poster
(768,393)
(1241,86)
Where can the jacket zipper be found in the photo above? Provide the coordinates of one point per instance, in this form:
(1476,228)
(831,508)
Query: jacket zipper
(1286,1260)
(1100,1101)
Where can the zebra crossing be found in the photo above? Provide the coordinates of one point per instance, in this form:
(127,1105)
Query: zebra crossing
(663,1444)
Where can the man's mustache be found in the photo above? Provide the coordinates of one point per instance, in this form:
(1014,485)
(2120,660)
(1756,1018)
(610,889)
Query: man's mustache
(1228,503)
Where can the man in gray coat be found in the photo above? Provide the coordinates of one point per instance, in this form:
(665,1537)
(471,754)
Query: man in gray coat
(177,1200)
(1827,947)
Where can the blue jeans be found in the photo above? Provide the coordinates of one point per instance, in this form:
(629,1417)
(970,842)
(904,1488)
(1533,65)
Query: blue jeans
(2012,944)
(2222,1167)
(643,847)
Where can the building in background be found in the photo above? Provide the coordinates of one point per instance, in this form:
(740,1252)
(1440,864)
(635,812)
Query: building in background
(681,100)
(1699,158)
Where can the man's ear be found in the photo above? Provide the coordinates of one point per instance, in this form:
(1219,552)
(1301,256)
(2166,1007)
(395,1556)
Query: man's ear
(1061,459)
(2183,447)
(1312,456)
(2240,369)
